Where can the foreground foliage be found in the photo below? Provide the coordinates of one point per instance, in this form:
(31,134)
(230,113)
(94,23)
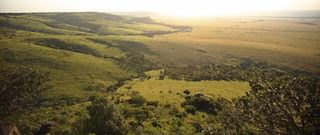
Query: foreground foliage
(283,105)
(104,119)
(20,89)
(276,105)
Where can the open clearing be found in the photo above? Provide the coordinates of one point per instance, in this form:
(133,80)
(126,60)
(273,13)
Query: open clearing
(171,91)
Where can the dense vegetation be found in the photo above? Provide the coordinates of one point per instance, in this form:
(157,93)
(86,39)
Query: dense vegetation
(276,104)
(58,44)
(104,118)
(21,89)
(245,71)
(282,105)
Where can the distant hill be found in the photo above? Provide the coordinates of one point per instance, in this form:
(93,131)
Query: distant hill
(82,24)
(301,13)
(138,14)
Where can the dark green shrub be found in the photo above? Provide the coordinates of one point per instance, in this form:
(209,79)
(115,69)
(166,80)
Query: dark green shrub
(116,85)
(201,103)
(20,89)
(286,104)
(187,92)
(139,114)
(289,104)
(137,100)
(197,126)
(155,124)
(104,118)
(190,109)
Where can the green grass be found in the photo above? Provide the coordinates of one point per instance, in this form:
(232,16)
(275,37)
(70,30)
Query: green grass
(59,43)
(124,45)
(171,91)
(33,24)
(71,72)
(62,117)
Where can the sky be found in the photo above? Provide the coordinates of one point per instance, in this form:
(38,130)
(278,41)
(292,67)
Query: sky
(166,7)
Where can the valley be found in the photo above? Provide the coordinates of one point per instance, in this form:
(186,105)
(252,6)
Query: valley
(162,75)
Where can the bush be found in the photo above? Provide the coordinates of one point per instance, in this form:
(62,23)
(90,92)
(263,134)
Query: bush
(190,109)
(20,89)
(287,104)
(187,92)
(139,114)
(104,118)
(197,126)
(155,124)
(116,85)
(200,103)
(137,100)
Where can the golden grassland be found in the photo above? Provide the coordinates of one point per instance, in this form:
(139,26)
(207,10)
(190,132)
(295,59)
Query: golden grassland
(294,42)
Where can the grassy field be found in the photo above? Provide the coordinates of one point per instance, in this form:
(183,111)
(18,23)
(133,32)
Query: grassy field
(169,91)
(291,42)
(170,96)
(70,73)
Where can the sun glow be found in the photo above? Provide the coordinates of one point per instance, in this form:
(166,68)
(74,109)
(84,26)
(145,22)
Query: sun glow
(167,7)
(222,8)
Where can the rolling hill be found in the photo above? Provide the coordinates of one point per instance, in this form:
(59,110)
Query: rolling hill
(69,46)
(163,76)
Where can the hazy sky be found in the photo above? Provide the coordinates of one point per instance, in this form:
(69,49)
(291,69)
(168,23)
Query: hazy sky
(169,7)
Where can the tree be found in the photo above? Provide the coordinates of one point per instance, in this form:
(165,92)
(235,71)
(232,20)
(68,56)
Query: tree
(20,89)
(288,104)
(104,118)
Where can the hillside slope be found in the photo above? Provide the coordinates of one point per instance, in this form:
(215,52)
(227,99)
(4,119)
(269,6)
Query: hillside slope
(69,46)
